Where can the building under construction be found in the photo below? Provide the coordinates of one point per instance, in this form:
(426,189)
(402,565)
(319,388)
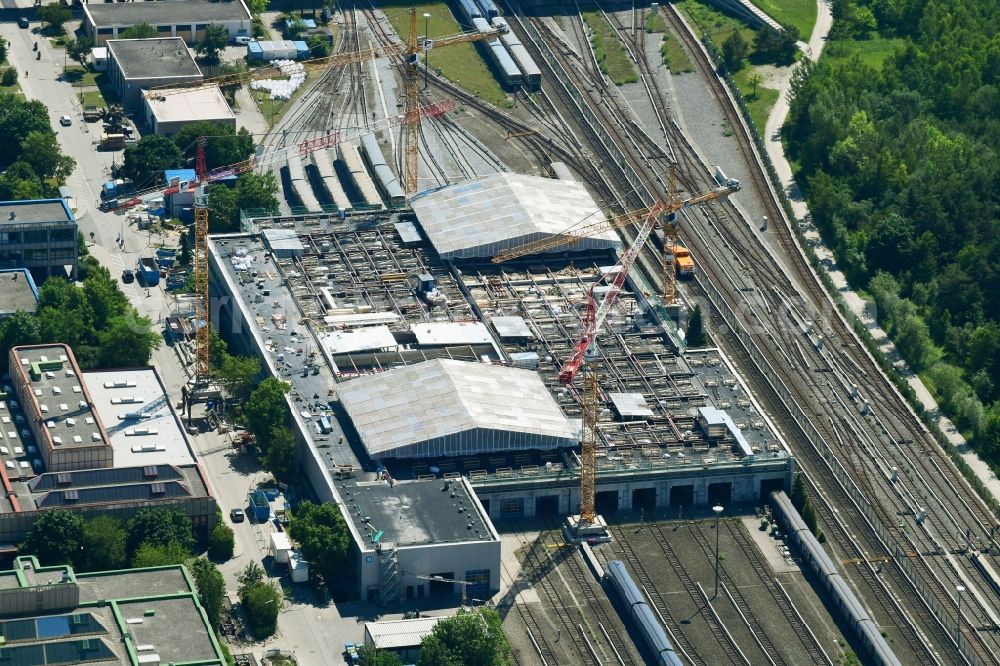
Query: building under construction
(364,312)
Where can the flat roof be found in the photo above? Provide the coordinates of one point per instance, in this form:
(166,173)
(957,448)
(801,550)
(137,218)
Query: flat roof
(156,618)
(398,634)
(202,103)
(434,333)
(17,291)
(359,339)
(632,405)
(155,58)
(36,210)
(481,217)
(414,513)
(62,397)
(174,12)
(138,418)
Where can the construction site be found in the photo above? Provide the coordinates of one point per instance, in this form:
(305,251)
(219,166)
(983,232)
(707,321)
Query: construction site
(496,374)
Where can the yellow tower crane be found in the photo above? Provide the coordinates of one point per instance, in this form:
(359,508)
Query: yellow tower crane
(668,225)
(408,53)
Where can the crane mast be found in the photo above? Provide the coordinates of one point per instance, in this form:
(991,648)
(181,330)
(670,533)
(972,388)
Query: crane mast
(588,450)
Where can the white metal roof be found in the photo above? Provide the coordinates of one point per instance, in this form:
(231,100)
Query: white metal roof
(630,404)
(283,242)
(511,327)
(481,217)
(398,634)
(451,333)
(359,339)
(447,407)
(143,430)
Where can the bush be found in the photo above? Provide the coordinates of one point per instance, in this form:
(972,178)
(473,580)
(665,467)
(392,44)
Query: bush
(222,542)
(9,76)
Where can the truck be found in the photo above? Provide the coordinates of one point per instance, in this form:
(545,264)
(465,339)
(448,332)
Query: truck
(92,113)
(112,141)
(148,272)
(683,261)
(116,188)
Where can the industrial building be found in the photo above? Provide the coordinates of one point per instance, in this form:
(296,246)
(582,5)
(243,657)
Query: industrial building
(53,615)
(132,452)
(391,353)
(17,291)
(184,19)
(168,115)
(483,216)
(135,65)
(454,408)
(40,235)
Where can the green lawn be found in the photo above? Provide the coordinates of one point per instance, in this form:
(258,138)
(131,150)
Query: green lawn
(104,84)
(718,26)
(609,50)
(459,63)
(760,103)
(674,56)
(91,97)
(800,13)
(79,76)
(873,52)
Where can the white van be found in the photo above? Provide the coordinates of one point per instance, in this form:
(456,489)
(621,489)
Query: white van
(243,40)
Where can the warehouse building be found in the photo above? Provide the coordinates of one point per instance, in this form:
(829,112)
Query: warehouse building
(455,408)
(40,235)
(168,114)
(483,216)
(53,615)
(136,65)
(185,19)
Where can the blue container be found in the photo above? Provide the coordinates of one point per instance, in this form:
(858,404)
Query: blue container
(260,510)
(301,50)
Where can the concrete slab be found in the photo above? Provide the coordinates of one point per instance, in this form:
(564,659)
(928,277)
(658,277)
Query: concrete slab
(769,547)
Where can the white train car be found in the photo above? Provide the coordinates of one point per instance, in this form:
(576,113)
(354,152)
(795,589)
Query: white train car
(331,184)
(300,184)
(530,74)
(348,154)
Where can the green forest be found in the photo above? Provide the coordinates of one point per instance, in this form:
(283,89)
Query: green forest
(900,169)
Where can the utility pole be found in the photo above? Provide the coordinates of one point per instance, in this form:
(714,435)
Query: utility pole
(718,513)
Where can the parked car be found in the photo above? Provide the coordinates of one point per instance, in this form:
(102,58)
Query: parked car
(128,277)
(237,515)
(65,121)
(22,22)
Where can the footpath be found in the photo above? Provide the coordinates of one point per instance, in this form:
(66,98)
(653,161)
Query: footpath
(864,310)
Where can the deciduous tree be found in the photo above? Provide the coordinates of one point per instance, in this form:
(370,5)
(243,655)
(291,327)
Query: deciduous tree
(103,544)
(55,14)
(212,42)
(139,31)
(55,538)
(266,408)
(469,637)
(325,539)
(160,527)
(211,588)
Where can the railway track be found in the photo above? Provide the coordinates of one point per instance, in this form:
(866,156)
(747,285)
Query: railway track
(808,640)
(733,592)
(673,626)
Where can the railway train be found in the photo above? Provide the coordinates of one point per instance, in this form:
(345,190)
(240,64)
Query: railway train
(331,184)
(488,8)
(300,184)
(468,11)
(643,616)
(860,620)
(504,65)
(385,180)
(530,74)
(348,154)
